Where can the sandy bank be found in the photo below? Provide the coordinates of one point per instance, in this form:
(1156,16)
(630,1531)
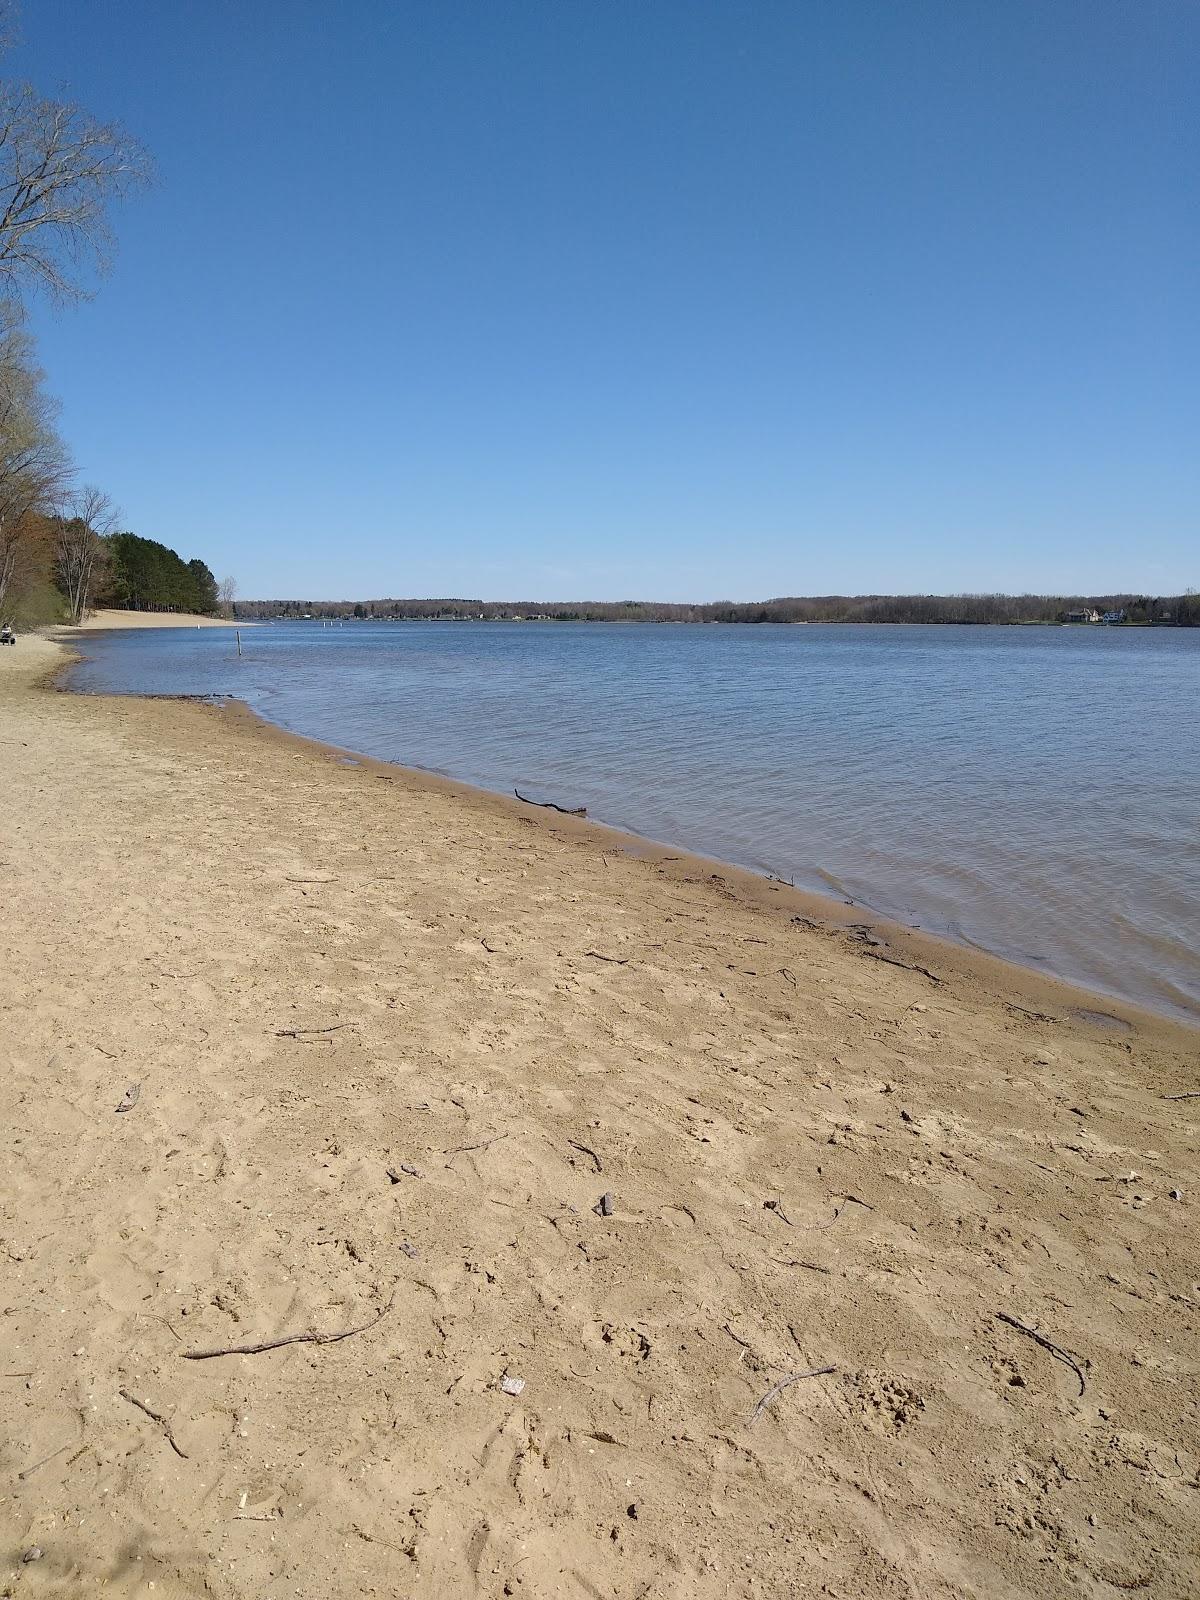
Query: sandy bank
(319,971)
(109,619)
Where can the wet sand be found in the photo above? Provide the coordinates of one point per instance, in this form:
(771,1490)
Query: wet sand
(822,1151)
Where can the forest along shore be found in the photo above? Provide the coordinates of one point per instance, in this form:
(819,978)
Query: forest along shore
(686,1242)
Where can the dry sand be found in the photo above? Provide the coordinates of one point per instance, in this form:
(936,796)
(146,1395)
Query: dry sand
(110,619)
(317,972)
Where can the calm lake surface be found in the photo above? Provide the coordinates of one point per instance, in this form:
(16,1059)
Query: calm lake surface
(1030,791)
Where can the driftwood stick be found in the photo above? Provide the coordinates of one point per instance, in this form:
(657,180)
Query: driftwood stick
(548,805)
(617,961)
(894,961)
(297,1033)
(289,1338)
(154,1417)
(1192,1094)
(29,1471)
(784,1383)
(587,1151)
(461,1149)
(1056,1350)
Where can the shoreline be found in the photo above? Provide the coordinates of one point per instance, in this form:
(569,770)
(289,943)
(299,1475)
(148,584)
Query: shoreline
(915,949)
(919,947)
(394,1040)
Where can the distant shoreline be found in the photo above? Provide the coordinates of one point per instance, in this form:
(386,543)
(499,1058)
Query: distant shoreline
(700,622)
(1111,610)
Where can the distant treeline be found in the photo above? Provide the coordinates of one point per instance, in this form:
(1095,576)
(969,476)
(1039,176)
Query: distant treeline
(1176,610)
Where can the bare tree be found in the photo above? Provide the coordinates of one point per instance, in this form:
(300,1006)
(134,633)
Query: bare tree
(80,552)
(60,169)
(227,594)
(34,464)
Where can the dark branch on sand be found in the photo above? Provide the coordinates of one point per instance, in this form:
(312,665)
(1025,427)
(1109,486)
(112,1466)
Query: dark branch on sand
(587,1151)
(289,1338)
(1056,1350)
(300,1033)
(908,966)
(548,805)
(154,1417)
(461,1149)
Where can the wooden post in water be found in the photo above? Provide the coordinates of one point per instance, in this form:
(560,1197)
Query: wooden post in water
(238,636)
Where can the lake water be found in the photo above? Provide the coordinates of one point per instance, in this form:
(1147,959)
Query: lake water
(1031,791)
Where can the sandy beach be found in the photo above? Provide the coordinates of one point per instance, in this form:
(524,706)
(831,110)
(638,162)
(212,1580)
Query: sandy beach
(107,618)
(896,1290)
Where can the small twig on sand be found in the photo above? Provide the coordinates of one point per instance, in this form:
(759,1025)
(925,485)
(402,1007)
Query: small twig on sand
(587,1151)
(777,1389)
(617,961)
(29,1471)
(894,961)
(311,880)
(461,1149)
(300,1033)
(777,1207)
(154,1417)
(289,1338)
(786,972)
(257,1516)
(809,1266)
(1192,1094)
(548,805)
(1055,1350)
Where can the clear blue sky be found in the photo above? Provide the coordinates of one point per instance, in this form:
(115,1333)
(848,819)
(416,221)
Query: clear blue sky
(681,299)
